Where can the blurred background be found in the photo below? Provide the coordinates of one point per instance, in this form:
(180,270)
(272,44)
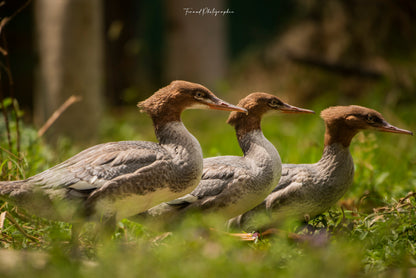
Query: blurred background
(116,53)
(311,53)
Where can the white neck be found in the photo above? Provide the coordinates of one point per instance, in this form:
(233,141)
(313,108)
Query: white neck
(334,156)
(183,146)
(337,167)
(263,154)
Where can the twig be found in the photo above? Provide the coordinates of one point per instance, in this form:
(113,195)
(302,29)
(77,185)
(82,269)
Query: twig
(4,51)
(71,100)
(15,106)
(255,236)
(11,91)
(6,19)
(409,195)
(2,219)
(3,109)
(6,122)
(9,217)
(10,153)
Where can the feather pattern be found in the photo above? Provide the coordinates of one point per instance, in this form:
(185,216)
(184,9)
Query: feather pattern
(115,180)
(112,171)
(306,190)
(231,185)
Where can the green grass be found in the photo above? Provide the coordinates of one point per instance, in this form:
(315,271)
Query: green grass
(353,241)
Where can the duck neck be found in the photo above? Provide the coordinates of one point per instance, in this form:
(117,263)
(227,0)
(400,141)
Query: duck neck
(336,170)
(174,137)
(261,156)
(338,133)
(247,125)
(161,119)
(336,159)
(255,145)
(334,150)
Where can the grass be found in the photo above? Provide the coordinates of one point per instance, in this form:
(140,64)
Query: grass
(354,240)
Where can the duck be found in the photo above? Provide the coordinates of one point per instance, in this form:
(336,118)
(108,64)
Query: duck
(111,181)
(307,190)
(231,185)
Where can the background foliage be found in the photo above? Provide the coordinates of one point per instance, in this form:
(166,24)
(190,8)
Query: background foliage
(310,54)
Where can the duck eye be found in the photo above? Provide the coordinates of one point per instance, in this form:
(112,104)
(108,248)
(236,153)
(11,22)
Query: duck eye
(275,103)
(372,119)
(199,94)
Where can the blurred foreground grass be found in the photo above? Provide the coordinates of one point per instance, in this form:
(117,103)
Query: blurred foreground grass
(353,241)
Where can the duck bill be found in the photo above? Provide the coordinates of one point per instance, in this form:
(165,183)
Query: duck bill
(391,128)
(293,109)
(219,104)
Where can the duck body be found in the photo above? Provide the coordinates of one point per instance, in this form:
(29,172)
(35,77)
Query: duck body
(231,185)
(311,189)
(119,179)
(307,190)
(124,177)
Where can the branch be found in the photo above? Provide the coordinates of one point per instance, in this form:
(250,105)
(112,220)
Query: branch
(338,68)
(6,19)
(71,100)
(6,214)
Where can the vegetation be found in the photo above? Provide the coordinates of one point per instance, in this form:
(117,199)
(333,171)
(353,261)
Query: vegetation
(321,54)
(372,231)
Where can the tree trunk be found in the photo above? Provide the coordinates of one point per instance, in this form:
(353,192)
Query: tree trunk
(196,48)
(70,49)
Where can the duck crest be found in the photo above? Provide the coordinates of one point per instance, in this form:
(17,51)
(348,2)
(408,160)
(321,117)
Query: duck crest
(247,122)
(160,106)
(342,123)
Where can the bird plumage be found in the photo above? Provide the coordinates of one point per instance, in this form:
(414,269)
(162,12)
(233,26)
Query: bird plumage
(231,185)
(306,190)
(119,179)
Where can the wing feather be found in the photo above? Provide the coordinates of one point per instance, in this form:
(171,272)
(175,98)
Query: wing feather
(94,167)
(219,173)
